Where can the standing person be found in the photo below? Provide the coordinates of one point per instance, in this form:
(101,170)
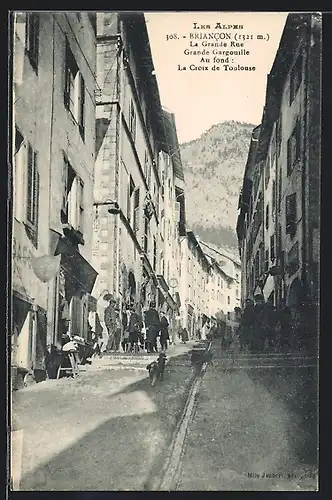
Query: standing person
(152,323)
(271,323)
(110,320)
(164,336)
(134,327)
(184,335)
(118,326)
(284,325)
(246,330)
(260,323)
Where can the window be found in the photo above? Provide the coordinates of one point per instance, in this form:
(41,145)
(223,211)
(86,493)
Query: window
(261,259)
(291,210)
(19,175)
(136,210)
(228,315)
(156,200)
(272,247)
(32,205)
(130,190)
(146,167)
(237,292)
(228,300)
(32,39)
(295,78)
(80,205)
(266,261)
(256,266)
(293,148)
(279,136)
(72,211)
(132,120)
(267,170)
(146,234)
(273,196)
(74,94)
(267,217)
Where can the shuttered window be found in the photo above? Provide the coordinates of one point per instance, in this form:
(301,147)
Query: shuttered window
(32,200)
(291,213)
(74,91)
(32,39)
(136,210)
(293,148)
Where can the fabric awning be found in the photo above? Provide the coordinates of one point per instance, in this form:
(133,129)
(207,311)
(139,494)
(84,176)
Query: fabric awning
(268,287)
(79,269)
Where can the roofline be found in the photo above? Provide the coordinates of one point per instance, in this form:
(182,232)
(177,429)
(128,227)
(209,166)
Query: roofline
(233,259)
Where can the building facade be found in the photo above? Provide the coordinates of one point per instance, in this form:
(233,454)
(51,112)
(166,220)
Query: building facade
(53,158)
(279,253)
(194,285)
(137,172)
(172,220)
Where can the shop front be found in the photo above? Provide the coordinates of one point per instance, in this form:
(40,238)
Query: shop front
(28,309)
(74,285)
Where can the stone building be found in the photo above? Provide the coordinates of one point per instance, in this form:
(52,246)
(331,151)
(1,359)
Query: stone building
(172,220)
(279,238)
(136,152)
(52,158)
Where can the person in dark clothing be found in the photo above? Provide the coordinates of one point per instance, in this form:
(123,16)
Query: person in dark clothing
(111,320)
(260,324)
(184,335)
(284,325)
(246,330)
(134,328)
(271,323)
(152,323)
(164,336)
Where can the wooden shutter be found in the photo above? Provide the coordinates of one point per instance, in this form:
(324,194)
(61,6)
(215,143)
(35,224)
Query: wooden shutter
(30,184)
(136,210)
(81,103)
(291,213)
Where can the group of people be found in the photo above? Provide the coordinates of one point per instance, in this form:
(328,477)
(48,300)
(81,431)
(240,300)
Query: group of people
(262,327)
(135,330)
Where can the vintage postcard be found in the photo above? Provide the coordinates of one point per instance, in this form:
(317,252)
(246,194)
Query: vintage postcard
(165,232)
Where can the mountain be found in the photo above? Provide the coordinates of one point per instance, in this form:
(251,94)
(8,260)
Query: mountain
(213,170)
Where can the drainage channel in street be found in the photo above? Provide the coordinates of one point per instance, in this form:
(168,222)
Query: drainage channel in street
(173,464)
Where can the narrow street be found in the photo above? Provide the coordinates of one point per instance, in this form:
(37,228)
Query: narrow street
(109,430)
(106,430)
(254,427)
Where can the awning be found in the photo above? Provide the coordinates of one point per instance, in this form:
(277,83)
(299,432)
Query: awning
(268,287)
(76,266)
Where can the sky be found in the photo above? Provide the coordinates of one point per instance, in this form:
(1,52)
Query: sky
(200,99)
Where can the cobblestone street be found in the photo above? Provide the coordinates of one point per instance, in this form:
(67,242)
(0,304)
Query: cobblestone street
(105,430)
(254,429)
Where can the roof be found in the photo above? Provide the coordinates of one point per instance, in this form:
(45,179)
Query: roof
(138,34)
(191,236)
(215,263)
(223,253)
(172,144)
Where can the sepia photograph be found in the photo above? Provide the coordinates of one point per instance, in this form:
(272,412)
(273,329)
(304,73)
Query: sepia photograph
(163,325)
